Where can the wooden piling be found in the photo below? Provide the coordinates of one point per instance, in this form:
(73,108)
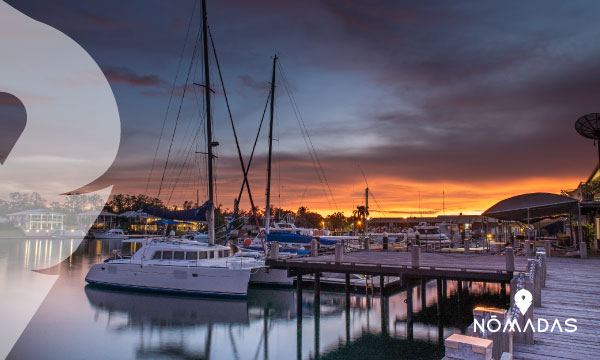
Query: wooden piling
(509,257)
(415,255)
(423,295)
(409,310)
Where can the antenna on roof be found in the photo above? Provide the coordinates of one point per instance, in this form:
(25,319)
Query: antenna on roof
(589,126)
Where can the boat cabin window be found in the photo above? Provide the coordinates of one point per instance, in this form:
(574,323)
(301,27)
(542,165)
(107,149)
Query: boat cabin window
(191,255)
(178,255)
(157,255)
(220,253)
(202,254)
(227,253)
(167,255)
(211,254)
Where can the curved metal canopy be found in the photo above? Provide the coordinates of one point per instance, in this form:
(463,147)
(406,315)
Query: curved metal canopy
(532,206)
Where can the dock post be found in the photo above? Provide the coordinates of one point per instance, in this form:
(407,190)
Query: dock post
(583,250)
(548,247)
(415,256)
(467,246)
(483,315)
(445,289)
(468,348)
(347,287)
(314,247)
(339,252)
(527,248)
(385,240)
(299,317)
(459,290)
(423,295)
(522,337)
(440,298)
(409,310)
(299,294)
(317,285)
(366,243)
(543,260)
(381,284)
(536,268)
(509,257)
(317,316)
(384,302)
(274,253)
(347,316)
(299,326)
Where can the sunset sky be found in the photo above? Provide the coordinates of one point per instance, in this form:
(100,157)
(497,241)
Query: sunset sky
(477,100)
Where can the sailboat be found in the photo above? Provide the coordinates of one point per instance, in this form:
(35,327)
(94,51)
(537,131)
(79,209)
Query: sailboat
(290,239)
(170,264)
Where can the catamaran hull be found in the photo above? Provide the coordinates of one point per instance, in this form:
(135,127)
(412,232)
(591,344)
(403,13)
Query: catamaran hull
(206,281)
(271,277)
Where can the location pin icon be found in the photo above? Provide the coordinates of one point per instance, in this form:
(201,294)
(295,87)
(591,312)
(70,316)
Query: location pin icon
(523,300)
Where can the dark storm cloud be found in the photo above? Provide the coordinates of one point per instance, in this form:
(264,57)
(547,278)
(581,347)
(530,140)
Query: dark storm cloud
(250,82)
(445,91)
(128,76)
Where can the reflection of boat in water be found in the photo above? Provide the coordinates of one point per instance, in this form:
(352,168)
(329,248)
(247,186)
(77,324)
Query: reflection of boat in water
(172,310)
(167,310)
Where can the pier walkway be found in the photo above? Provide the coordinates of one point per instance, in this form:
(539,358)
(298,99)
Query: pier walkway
(393,263)
(572,291)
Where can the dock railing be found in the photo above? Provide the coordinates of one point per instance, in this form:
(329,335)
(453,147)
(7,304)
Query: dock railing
(494,331)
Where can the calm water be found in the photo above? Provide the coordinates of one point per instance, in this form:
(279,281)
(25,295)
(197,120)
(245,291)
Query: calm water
(76,321)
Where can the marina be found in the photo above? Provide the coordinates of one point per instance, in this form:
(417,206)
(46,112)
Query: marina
(299,180)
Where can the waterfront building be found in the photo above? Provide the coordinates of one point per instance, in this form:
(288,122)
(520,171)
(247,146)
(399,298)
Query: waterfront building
(38,220)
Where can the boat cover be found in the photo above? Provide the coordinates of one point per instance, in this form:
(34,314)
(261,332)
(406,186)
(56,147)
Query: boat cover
(291,238)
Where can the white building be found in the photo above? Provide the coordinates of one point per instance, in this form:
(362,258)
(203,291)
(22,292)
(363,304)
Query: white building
(38,220)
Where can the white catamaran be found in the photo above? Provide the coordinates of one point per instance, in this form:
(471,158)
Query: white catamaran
(183,265)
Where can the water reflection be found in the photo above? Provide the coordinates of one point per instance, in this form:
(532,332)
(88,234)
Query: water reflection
(79,321)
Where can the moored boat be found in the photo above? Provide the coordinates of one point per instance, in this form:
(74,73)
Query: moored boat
(178,266)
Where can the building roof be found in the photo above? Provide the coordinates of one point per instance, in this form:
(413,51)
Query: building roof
(36,212)
(455,219)
(95,213)
(136,214)
(531,206)
(595,175)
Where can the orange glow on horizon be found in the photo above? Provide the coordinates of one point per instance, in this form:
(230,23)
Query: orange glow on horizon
(400,198)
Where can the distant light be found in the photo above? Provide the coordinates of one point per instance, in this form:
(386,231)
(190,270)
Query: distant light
(359,222)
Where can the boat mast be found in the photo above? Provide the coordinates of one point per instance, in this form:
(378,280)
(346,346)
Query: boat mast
(366,210)
(268,192)
(209,142)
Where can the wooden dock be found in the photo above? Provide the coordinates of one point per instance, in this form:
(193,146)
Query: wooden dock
(572,291)
(472,267)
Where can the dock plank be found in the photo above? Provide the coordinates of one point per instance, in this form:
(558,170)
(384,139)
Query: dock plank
(572,291)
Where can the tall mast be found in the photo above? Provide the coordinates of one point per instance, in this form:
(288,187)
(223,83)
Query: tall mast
(209,142)
(268,192)
(444,202)
(367,210)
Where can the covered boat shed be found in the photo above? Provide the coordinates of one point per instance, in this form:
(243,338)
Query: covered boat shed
(535,206)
